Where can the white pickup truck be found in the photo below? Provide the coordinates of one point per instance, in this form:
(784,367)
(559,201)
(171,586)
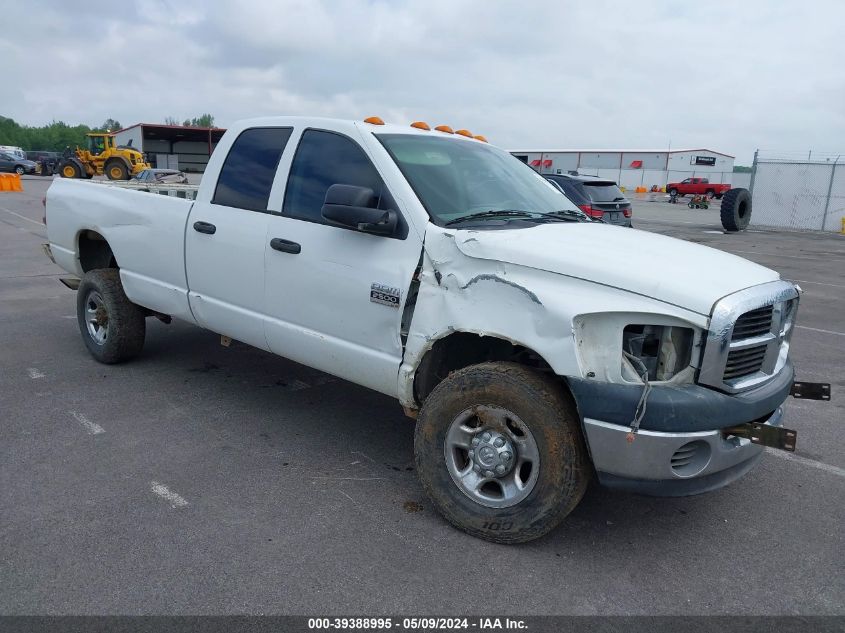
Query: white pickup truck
(536,348)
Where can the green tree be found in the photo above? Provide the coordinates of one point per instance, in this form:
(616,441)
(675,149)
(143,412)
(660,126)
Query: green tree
(204,120)
(111,125)
(54,136)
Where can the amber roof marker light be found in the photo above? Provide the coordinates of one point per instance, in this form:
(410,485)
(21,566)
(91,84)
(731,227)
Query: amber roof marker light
(466,133)
(421,125)
(444,128)
(480,137)
(374,120)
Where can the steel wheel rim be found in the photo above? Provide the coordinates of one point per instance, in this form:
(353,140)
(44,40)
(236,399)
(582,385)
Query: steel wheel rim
(96,317)
(471,461)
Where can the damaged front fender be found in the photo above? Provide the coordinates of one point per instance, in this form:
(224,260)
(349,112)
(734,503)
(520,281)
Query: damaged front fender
(529,308)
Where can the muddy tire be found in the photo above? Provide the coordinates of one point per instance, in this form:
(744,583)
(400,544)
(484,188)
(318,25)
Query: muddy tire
(736,209)
(112,327)
(499,451)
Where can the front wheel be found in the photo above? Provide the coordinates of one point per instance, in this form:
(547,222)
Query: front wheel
(69,169)
(116,170)
(499,451)
(19,170)
(112,327)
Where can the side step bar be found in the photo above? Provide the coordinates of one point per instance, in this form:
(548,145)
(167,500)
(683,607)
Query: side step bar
(71,282)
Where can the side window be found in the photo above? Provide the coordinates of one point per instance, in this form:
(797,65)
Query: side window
(248,171)
(324,159)
(705,181)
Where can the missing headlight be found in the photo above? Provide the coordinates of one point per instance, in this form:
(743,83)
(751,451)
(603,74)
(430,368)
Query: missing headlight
(663,350)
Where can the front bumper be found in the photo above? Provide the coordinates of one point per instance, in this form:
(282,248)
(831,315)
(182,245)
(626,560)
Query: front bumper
(670,464)
(680,448)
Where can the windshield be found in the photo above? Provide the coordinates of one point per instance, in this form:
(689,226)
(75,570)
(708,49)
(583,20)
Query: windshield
(454,179)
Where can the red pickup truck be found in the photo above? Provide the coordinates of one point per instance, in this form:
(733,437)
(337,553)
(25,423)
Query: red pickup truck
(700,186)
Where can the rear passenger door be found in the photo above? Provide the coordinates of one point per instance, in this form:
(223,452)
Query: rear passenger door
(334,295)
(225,238)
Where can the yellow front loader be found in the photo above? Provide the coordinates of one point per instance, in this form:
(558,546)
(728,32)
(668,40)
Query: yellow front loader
(102,156)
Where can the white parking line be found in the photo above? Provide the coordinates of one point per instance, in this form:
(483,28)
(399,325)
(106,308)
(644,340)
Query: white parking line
(91,427)
(818,283)
(35,373)
(175,500)
(767,254)
(815,329)
(22,217)
(792,457)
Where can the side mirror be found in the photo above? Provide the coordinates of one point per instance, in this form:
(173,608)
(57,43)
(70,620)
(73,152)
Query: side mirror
(354,207)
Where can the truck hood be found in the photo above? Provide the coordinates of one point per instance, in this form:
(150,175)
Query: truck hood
(674,271)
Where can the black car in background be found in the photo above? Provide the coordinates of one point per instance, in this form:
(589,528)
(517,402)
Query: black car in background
(598,197)
(48,160)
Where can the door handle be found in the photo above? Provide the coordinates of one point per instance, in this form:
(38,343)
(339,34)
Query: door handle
(205,227)
(286,246)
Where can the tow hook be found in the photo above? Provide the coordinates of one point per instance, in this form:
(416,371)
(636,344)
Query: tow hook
(810,390)
(776,436)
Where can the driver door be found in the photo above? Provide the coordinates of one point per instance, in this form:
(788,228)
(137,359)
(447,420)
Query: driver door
(334,296)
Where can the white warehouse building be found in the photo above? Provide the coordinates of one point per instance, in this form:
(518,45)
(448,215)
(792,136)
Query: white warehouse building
(633,168)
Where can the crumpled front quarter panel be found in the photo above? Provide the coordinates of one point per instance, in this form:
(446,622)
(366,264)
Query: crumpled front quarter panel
(528,307)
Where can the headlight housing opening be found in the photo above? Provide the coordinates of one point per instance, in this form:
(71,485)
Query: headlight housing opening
(661,351)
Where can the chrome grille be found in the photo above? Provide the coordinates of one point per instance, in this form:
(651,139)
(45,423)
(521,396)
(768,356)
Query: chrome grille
(744,362)
(754,323)
(748,338)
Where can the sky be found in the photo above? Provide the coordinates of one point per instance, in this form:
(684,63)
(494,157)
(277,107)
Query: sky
(728,76)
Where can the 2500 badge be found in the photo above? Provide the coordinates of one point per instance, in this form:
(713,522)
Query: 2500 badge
(385,295)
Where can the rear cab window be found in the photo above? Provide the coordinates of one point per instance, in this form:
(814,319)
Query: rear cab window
(247,174)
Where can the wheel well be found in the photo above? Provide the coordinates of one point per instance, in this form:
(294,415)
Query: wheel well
(463,349)
(95,252)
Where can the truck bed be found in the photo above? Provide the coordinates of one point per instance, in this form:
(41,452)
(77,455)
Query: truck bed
(145,228)
(187,192)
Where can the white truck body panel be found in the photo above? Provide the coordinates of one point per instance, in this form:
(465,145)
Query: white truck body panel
(683,274)
(146,232)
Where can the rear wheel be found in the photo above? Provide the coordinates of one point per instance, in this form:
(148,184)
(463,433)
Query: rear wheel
(112,327)
(673,192)
(116,170)
(499,452)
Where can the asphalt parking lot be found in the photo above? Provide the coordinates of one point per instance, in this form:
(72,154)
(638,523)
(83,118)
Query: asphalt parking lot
(200,479)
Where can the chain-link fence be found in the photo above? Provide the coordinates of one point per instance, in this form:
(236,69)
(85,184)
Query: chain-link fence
(803,190)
